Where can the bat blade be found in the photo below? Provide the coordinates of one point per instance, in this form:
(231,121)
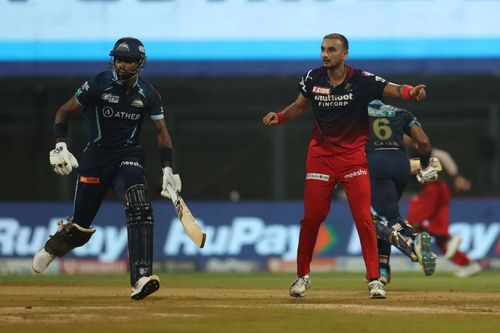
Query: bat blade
(192,228)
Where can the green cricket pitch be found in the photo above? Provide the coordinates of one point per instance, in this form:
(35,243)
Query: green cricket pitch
(239,303)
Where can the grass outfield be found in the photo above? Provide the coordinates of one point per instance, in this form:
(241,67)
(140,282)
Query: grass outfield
(240,303)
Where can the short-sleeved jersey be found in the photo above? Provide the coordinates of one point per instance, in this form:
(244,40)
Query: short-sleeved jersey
(340,113)
(387,126)
(112,118)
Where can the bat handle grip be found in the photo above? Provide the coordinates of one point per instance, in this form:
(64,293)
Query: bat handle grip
(173,193)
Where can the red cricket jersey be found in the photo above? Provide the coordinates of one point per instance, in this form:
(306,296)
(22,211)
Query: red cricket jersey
(340,113)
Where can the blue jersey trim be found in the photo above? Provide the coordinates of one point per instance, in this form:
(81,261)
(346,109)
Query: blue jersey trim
(76,98)
(99,133)
(412,122)
(157,116)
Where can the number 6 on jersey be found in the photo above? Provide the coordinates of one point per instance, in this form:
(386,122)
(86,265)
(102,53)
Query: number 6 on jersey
(193,230)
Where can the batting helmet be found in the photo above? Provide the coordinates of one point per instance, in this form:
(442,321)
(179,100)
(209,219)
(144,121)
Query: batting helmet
(131,48)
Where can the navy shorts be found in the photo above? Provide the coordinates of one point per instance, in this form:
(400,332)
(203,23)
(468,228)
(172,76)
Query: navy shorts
(100,171)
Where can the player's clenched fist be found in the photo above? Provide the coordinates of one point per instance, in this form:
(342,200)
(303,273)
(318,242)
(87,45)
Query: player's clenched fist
(273,118)
(61,160)
(270,119)
(418,92)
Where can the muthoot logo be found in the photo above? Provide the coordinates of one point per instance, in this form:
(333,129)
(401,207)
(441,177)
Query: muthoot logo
(360,172)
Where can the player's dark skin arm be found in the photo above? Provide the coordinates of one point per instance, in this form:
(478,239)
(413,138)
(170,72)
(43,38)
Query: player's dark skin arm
(64,112)
(294,110)
(421,139)
(395,90)
(163,137)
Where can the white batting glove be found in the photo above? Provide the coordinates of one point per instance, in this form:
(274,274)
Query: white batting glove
(427,175)
(169,179)
(61,160)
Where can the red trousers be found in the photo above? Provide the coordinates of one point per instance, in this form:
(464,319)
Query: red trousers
(432,204)
(322,174)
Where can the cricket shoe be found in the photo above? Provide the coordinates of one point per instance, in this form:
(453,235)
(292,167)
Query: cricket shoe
(300,285)
(385,275)
(469,270)
(376,289)
(42,260)
(145,286)
(426,258)
(452,246)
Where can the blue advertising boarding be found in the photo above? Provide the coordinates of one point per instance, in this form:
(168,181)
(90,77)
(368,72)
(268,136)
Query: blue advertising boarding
(244,230)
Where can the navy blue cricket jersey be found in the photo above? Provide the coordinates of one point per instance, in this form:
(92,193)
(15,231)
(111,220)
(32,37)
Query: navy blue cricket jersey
(113,119)
(388,124)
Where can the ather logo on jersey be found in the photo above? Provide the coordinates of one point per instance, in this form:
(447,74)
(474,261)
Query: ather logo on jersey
(108,112)
(360,172)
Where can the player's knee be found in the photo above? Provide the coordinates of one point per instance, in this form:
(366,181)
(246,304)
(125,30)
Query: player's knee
(312,220)
(68,236)
(137,205)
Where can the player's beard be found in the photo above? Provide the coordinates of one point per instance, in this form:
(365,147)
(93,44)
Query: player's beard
(121,75)
(125,76)
(331,65)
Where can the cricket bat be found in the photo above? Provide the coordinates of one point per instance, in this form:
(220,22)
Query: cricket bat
(415,165)
(193,230)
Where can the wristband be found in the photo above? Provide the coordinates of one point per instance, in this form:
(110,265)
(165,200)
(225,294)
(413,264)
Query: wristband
(425,160)
(60,130)
(166,155)
(282,117)
(406,92)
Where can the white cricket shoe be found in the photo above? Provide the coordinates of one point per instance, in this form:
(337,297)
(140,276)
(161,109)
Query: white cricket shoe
(469,270)
(300,285)
(42,260)
(452,246)
(376,289)
(145,286)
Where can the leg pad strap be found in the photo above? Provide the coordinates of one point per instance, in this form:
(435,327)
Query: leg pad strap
(68,236)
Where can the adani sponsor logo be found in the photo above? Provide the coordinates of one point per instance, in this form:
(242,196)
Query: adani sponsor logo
(479,239)
(246,237)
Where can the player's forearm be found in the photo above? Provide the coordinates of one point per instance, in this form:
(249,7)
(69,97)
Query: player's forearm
(164,145)
(61,125)
(405,91)
(62,117)
(293,111)
(394,90)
